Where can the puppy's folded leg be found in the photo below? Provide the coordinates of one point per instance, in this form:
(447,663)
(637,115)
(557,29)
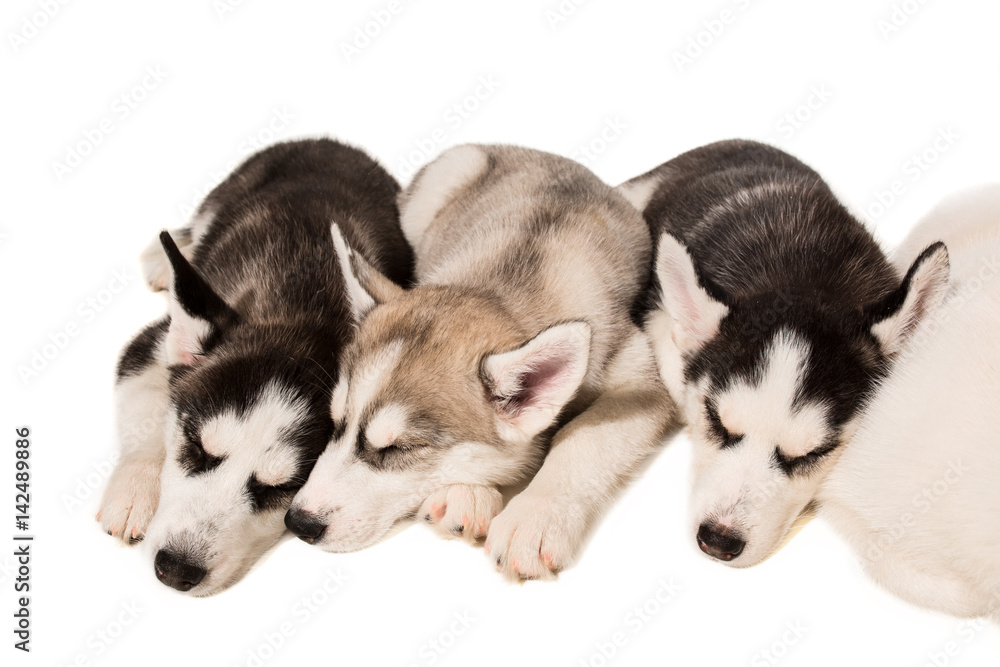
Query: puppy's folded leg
(462,510)
(543,527)
(133,491)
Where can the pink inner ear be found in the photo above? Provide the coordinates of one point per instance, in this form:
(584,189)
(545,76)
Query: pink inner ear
(189,359)
(682,291)
(538,380)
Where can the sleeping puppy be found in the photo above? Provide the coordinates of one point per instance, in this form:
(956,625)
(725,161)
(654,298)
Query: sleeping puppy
(915,491)
(773,314)
(513,354)
(223,405)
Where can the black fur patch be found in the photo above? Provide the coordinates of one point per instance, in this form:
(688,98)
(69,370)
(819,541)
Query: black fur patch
(191,291)
(138,355)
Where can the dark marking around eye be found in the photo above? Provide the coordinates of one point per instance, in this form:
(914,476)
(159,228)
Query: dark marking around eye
(792,465)
(717,429)
(391,457)
(193,458)
(265,497)
(338,429)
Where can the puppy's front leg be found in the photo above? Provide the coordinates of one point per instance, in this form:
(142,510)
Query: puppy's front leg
(141,394)
(541,530)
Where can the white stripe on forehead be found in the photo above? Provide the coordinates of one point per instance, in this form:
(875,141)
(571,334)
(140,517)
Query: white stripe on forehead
(256,439)
(372,375)
(338,403)
(765,411)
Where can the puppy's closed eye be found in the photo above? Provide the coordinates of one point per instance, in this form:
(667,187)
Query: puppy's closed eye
(264,497)
(194,459)
(718,429)
(804,464)
(406,444)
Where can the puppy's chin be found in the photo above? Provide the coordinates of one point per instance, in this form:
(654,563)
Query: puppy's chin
(353,539)
(364,536)
(221,579)
(807,514)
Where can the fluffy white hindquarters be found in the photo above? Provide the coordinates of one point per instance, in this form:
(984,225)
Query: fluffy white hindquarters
(915,493)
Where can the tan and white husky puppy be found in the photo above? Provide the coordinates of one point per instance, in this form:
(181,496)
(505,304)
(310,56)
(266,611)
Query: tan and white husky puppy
(515,353)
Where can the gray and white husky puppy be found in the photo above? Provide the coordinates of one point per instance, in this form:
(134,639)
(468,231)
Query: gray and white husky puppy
(773,314)
(514,353)
(916,492)
(223,405)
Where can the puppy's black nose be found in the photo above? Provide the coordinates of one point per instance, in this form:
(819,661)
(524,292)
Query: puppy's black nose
(176,571)
(720,542)
(305,525)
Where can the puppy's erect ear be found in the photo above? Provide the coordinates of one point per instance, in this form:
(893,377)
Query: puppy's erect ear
(532,384)
(925,285)
(198,316)
(696,315)
(366,287)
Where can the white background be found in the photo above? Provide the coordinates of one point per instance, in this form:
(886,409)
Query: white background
(230,80)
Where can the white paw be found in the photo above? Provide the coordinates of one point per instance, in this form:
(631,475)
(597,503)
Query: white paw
(130,500)
(535,537)
(157,276)
(462,510)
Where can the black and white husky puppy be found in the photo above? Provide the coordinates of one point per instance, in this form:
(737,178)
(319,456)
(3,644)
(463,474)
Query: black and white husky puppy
(773,312)
(224,404)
